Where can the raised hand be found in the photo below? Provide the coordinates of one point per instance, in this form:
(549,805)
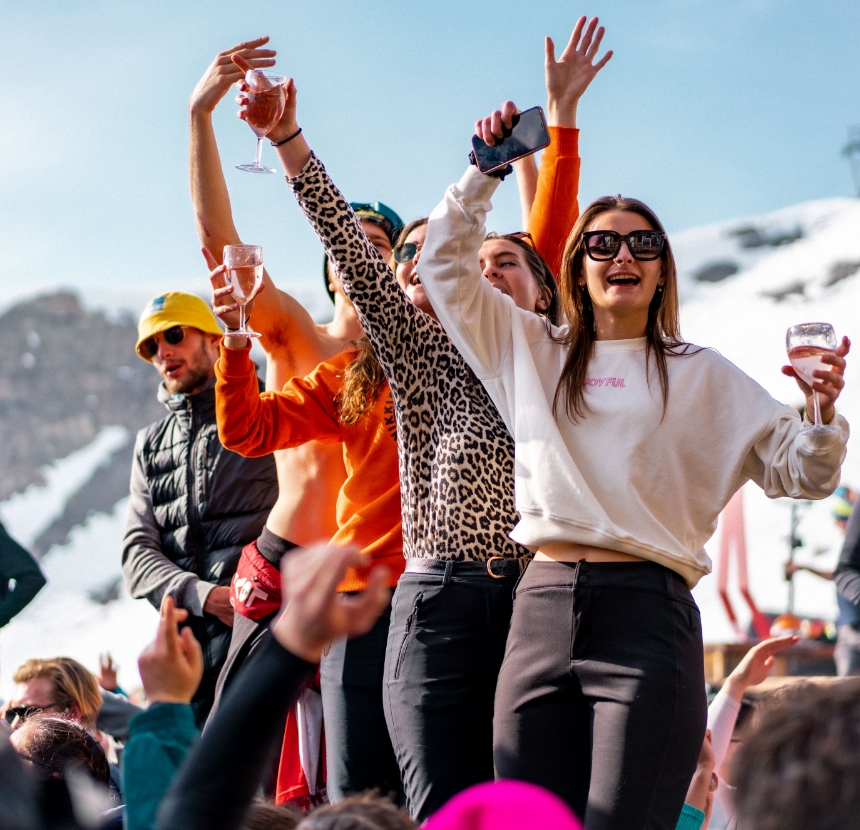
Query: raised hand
(313,612)
(171,666)
(830,384)
(756,665)
(569,76)
(223,73)
(107,672)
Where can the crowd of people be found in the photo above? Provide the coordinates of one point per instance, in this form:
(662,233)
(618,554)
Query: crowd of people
(436,568)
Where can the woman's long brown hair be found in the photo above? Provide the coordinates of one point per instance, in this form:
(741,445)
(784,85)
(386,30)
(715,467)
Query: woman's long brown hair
(663,330)
(364,375)
(361,382)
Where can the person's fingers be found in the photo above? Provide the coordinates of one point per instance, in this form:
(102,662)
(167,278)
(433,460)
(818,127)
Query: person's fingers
(191,649)
(549,52)
(844,347)
(496,127)
(487,131)
(242,85)
(592,51)
(603,61)
(575,35)
(587,36)
(242,100)
(209,257)
(509,110)
(248,44)
(241,62)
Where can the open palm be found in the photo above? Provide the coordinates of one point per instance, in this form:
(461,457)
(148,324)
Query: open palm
(569,76)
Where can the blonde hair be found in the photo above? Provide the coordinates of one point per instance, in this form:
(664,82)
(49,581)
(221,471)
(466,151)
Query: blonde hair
(69,681)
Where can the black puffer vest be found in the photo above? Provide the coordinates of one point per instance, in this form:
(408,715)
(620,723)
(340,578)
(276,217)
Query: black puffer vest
(208,502)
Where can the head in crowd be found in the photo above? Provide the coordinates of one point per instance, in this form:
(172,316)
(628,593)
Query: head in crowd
(382,226)
(510,262)
(265,816)
(367,811)
(800,767)
(584,285)
(512,265)
(504,805)
(56,745)
(59,686)
(179,335)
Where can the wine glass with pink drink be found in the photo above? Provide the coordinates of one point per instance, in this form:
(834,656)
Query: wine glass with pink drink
(266,96)
(244,264)
(806,344)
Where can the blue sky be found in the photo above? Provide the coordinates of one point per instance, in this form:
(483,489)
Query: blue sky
(707,111)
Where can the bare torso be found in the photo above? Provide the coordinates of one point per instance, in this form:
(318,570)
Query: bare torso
(309,476)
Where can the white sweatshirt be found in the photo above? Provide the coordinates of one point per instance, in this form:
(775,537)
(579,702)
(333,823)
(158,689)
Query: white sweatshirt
(621,478)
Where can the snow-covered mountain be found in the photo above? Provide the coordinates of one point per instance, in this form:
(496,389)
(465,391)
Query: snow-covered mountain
(743,283)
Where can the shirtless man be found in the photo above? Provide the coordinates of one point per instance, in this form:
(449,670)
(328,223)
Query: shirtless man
(309,476)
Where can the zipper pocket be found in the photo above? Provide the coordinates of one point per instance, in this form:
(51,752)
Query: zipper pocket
(410,628)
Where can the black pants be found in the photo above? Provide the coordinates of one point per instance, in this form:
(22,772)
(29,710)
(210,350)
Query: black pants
(445,648)
(359,755)
(601,697)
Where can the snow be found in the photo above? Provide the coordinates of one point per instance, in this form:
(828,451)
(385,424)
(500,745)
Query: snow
(63,620)
(26,515)
(744,316)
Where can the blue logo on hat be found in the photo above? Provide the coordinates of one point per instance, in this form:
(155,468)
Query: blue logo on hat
(156,305)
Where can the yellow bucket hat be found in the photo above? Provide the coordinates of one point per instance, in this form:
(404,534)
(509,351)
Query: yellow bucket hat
(174,309)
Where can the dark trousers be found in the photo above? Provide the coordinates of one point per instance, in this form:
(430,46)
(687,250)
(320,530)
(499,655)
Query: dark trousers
(601,698)
(359,755)
(445,647)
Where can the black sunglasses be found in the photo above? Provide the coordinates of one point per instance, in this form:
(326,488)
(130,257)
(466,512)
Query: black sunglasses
(24,712)
(174,336)
(604,245)
(406,252)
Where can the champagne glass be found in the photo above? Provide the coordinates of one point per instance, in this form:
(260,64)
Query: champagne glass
(806,343)
(244,264)
(266,101)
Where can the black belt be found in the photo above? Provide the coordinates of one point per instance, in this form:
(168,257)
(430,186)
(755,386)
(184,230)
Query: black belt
(496,566)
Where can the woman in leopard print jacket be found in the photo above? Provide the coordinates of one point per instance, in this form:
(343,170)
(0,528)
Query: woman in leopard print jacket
(452,607)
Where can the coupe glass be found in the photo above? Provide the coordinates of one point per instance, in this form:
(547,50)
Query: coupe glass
(244,264)
(806,343)
(266,100)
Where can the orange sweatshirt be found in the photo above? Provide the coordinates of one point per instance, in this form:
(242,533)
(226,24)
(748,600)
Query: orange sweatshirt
(368,506)
(556,205)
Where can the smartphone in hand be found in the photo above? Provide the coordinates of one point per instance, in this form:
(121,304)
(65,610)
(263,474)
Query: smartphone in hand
(529,134)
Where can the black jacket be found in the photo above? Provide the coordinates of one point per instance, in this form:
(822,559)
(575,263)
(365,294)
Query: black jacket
(17,564)
(193,506)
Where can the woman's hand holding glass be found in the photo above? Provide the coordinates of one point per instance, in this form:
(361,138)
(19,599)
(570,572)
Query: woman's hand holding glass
(224,304)
(286,125)
(826,385)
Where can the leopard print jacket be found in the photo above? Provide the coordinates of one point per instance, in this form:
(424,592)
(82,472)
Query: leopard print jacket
(456,455)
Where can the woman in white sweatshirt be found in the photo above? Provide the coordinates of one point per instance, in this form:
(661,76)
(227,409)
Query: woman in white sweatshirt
(629,442)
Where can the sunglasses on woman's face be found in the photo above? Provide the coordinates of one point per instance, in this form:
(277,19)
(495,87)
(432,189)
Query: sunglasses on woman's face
(173,336)
(604,245)
(406,252)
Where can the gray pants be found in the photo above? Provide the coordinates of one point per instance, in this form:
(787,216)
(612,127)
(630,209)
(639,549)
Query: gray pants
(847,651)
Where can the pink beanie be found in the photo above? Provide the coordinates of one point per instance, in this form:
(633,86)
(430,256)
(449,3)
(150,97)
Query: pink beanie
(504,805)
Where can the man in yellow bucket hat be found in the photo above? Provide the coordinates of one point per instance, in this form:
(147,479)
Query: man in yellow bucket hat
(193,504)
